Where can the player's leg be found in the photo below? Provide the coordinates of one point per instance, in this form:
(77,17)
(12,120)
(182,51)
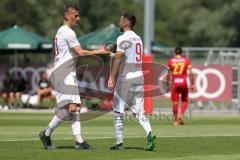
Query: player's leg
(5,97)
(11,99)
(61,113)
(175,99)
(118,123)
(66,107)
(151,137)
(73,100)
(118,128)
(138,111)
(137,91)
(74,110)
(18,98)
(120,94)
(184,99)
(58,118)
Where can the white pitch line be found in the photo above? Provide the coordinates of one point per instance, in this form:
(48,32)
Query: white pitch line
(110,137)
(23,140)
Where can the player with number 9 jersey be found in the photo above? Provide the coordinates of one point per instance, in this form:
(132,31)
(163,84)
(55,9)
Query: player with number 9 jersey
(129,87)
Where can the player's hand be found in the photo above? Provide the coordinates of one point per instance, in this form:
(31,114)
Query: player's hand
(104,51)
(111,82)
(112,55)
(118,54)
(112,47)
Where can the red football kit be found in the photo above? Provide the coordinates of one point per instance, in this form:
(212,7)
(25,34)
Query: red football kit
(178,67)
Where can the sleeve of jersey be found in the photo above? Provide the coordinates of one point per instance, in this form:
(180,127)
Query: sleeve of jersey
(72,40)
(120,45)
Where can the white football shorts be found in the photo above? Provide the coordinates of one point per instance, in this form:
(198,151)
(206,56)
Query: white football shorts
(129,95)
(69,92)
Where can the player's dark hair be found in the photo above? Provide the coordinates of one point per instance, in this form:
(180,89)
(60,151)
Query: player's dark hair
(130,17)
(69,7)
(178,51)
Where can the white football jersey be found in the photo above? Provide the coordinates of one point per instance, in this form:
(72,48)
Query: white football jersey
(65,39)
(64,73)
(131,45)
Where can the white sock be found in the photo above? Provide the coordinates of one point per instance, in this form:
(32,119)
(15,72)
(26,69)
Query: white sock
(76,129)
(144,122)
(118,125)
(52,125)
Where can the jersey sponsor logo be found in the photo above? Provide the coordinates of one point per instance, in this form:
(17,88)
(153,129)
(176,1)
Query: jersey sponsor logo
(124,45)
(178,80)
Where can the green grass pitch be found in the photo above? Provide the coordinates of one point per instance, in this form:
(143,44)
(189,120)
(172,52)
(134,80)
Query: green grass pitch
(205,137)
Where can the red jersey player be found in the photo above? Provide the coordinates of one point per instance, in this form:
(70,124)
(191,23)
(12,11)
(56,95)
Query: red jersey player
(178,67)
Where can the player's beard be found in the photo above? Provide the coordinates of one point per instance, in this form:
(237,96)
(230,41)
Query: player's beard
(121,29)
(77,23)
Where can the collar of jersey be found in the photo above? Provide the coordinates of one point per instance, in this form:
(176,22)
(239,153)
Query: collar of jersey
(178,56)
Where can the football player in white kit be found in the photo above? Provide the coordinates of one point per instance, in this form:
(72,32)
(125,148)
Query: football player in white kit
(66,48)
(129,87)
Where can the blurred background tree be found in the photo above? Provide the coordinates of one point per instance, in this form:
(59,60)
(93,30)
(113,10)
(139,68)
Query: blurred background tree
(186,22)
(199,23)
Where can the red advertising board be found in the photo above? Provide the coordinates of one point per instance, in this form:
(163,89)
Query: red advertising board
(212,83)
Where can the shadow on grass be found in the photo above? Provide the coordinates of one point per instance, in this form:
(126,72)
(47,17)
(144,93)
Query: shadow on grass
(134,148)
(126,148)
(73,148)
(64,147)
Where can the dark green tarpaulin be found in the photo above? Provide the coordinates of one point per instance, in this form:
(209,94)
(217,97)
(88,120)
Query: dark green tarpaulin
(16,38)
(98,38)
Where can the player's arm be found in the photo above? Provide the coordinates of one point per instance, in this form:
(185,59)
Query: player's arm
(115,67)
(168,75)
(117,60)
(74,44)
(82,52)
(169,72)
(168,78)
(191,77)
